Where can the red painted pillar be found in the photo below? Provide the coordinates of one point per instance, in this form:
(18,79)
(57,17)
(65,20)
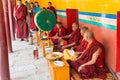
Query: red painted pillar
(7,26)
(118,43)
(4,64)
(11,4)
(71,19)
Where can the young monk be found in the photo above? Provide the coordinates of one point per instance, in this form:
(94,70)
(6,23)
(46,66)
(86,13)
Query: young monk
(73,38)
(27,4)
(20,14)
(32,23)
(91,63)
(53,31)
(50,7)
(78,49)
(59,32)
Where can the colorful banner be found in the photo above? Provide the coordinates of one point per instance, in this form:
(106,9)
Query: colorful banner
(97,19)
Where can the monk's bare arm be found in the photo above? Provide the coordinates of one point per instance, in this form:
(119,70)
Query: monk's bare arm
(66,37)
(93,60)
(72,48)
(94,57)
(81,53)
(70,45)
(14,14)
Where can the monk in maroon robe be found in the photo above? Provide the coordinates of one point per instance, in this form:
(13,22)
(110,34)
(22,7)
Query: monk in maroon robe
(78,50)
(53,31)
(72,39)
(82,45)
(50,7)
(32,22)
(20,14)
(82,42)
(57,32)
(91,63)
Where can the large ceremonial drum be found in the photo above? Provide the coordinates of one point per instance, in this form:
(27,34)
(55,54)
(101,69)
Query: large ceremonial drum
(45,20)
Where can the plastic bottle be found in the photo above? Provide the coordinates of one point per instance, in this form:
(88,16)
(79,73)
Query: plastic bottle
(35,52)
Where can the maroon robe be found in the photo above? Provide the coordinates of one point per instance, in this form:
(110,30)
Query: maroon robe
(52,9)
(97,70)
(32,22)
(21,24)
(63,32)
(53,32)
(74,38)
(82,45)
(60,33)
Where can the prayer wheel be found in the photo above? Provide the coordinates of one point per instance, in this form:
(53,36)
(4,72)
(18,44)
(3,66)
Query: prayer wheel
(45,20)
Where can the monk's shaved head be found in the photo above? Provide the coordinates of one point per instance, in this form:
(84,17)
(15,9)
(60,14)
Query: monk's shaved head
(19,2)
(75,26)
(88,34)
(49,4)
(29,1)
(59,25)
(83,29)
(76,23)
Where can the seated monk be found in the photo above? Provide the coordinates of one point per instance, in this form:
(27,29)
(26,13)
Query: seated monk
(59,32)
(53,31)
(73,38)
(78,49)
(91,63)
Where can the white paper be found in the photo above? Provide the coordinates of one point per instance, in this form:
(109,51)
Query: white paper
(71,52)
(59,63)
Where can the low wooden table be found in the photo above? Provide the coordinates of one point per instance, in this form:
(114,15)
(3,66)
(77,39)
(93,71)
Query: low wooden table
(43,44)
(59,73)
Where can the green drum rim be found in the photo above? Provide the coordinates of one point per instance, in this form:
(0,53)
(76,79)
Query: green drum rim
(45,20)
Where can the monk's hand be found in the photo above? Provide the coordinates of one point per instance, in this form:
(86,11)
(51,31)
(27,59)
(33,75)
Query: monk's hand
(29,11)
(55,37)
(75,59)
(77,53)
(72,48)
(60,38)
(80,68)
(63,47)
(15,18)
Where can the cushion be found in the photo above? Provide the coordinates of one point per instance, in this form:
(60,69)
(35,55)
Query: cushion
(75,76)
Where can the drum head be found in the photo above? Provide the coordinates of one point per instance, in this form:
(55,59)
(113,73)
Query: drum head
(45,20)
